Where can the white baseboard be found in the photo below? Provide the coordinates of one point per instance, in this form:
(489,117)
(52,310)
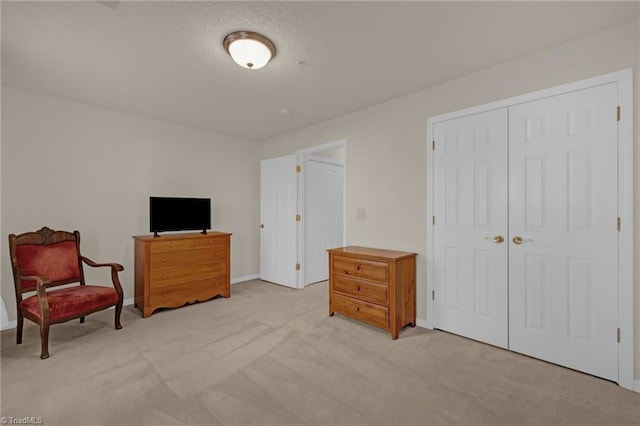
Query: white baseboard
(9,325)
(128,302)
(422,323)
(13,324)
(243,279)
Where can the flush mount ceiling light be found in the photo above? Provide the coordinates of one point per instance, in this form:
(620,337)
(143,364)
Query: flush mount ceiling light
(249,50)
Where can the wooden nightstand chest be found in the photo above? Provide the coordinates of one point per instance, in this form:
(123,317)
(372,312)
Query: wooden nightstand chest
(373,285)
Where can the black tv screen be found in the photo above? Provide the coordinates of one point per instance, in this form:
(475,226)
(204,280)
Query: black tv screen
(179,214)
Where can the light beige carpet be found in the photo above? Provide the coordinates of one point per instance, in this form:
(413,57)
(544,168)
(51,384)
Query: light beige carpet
(271,355)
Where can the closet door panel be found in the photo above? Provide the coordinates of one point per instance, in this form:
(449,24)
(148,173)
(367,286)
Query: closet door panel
(470,178)
(563,214)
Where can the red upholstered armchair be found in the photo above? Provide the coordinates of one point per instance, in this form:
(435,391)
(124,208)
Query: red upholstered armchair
(49,258)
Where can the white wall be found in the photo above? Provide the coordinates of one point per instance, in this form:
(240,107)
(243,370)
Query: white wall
(4,315)
(387,143)
(71,166)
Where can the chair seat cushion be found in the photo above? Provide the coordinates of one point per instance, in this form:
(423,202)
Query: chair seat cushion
(71,302)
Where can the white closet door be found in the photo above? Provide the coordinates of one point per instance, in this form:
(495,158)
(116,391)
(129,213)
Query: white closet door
(324,193)
(470,179)
(278,207)
(563,204)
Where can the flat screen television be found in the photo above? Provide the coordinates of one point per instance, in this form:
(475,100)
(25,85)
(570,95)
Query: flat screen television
(179,214)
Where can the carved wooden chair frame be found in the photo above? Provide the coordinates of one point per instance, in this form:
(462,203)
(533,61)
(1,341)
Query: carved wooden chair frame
(43,237)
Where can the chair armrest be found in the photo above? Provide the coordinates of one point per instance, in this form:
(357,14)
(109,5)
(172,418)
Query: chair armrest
(116,266)
(41,282)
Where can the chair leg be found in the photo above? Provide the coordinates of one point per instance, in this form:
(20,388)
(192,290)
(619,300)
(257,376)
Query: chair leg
(81,320)
(44,340)
(118,312)
(20,326)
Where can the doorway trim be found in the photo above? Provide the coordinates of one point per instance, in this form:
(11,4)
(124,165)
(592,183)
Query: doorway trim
(302,176)
(624,80)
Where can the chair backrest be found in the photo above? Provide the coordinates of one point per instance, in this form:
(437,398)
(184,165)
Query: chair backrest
(55,254)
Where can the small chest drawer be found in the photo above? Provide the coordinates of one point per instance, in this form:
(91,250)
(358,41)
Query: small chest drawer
(184,257)
(373,292)
(368,269)
(171,245)
(360,310)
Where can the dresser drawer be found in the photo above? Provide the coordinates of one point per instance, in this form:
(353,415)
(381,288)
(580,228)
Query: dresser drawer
(169,276)
(373,292)
(183,257)
(210,242)
(360,310)
(189,291)
(171,245)
(369,269)
(219,253)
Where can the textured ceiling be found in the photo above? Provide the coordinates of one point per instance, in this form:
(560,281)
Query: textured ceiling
(165,59)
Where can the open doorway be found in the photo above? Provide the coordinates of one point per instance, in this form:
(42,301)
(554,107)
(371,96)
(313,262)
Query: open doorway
(302,213)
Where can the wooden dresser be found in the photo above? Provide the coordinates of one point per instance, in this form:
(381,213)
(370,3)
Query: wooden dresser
(373,285)
(172,270)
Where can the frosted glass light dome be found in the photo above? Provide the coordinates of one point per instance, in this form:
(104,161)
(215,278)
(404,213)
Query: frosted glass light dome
(249,50)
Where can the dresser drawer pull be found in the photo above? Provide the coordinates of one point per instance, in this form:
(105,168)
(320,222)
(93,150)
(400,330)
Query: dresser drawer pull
(164,260)
(164,294)
(357,308)
(357,288)
(357,267)
(171,245)
(210,242)
(164,277)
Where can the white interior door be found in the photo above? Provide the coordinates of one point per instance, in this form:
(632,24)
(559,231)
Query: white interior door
(324,222)
(278,192)
(470,252)
(563,280)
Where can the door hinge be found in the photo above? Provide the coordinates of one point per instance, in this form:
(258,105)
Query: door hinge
(298,169)
(618,113)
(297,266)
(433,220)
(433,145)
(618,335)
(297,218)
(433,295)
(618,224)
